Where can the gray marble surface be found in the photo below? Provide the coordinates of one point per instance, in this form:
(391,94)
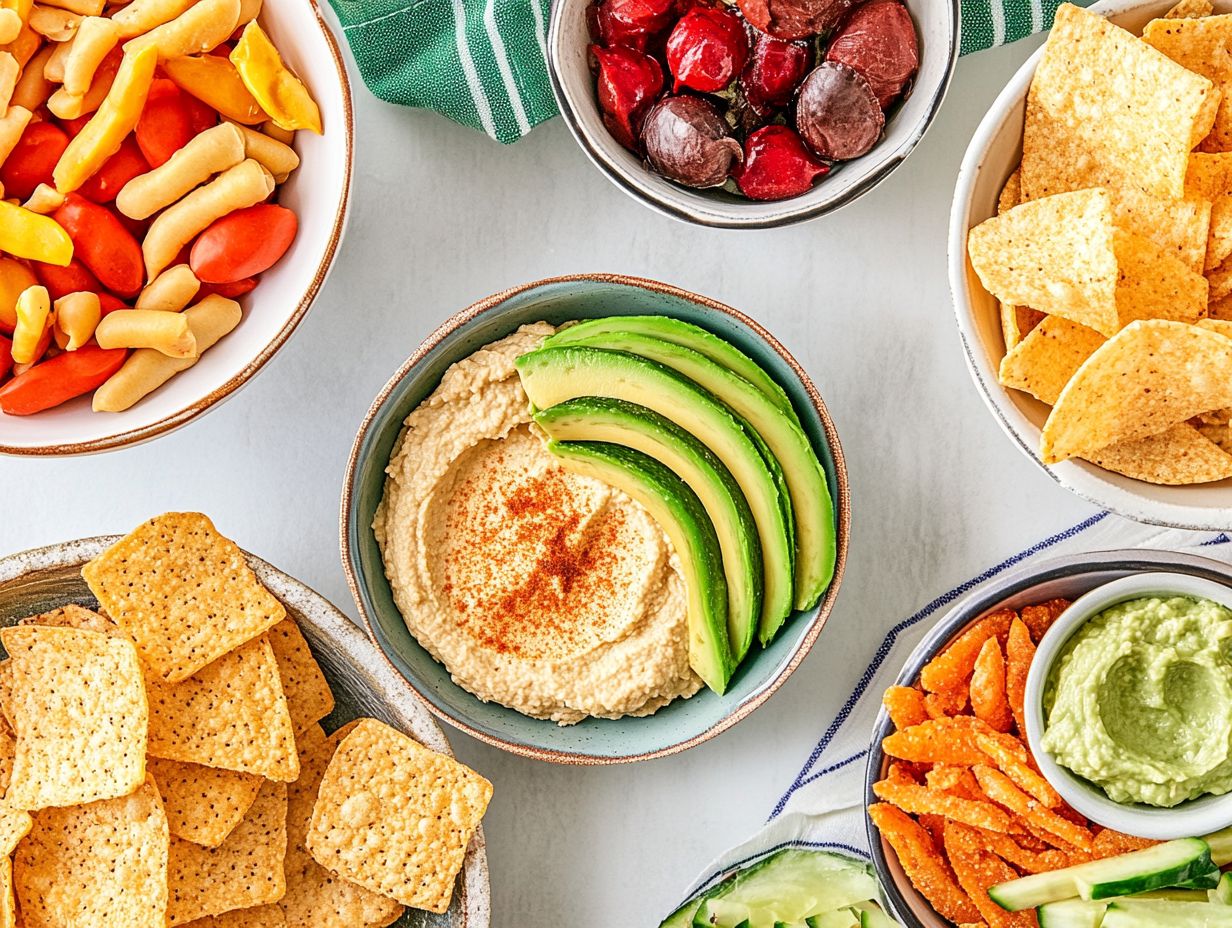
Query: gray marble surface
(441,217)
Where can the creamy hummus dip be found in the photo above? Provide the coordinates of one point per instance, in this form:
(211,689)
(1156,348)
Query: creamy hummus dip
(544,591)
(1139,701)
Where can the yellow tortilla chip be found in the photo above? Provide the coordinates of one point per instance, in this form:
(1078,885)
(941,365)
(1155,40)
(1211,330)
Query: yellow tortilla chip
(315,897)
(79,710)
(1220,308)
(1055,254)
(8,752)
(182,592)
(1181,455)
(104,863)
(232,714)
(245,870)
(1201,45)
(203,804)
(1152,284)
(14,825)
(1017,322)
(1190,9)
(1011,193)
(1043,362)
(1181,228)
(259,916)
(395,817)
(1209,175)
(1145,380)
(1107,109)
(8,902)
(308,695)
(1220,283)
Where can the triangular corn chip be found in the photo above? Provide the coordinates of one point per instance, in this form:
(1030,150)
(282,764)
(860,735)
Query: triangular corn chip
(1043,362)
(1153,284)
(1201,45)
(1180,456)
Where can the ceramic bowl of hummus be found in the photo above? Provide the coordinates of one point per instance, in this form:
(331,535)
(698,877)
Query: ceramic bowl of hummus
(537,611)
(1069,578)
(1129,705)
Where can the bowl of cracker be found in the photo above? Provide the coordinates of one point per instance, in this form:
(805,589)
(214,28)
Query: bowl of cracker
(188,733)
(1090,258)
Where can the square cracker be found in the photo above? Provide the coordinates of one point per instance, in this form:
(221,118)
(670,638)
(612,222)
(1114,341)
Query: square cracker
(1202,45)
(231,714)
(203,804)
(259,916)
(80,715)
(244,871)
(1107,109)
(104,863)
(308,695)
(315,897)
(182,592)
(395,817)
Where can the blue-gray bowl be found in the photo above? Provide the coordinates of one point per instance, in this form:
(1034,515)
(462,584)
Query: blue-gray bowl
(676,727)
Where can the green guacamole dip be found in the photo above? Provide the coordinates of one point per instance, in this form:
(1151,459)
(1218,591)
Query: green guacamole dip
(1139,701)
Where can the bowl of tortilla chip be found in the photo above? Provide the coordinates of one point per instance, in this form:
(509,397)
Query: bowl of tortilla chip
(330,675)
(1090,259)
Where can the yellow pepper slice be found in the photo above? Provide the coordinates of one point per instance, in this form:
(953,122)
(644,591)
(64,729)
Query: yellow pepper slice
(14,278)
(280,93)
(33,308)
(213,80)
(27,234)
(100,138)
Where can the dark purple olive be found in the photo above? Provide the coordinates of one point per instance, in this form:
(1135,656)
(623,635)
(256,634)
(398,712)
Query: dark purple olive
(837,113)
(686,140)
(794,19)
(879,41)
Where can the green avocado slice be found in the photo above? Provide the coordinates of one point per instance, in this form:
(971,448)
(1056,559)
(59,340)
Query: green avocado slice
(554,375)
(683,519)
(600,419)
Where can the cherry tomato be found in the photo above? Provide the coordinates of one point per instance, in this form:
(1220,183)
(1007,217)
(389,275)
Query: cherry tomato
(166,123)
(6,356)
(32,159)
(243,243)
(69,279)
(103,244)
(59,379)
(231,291)
(118,170)
(109,303)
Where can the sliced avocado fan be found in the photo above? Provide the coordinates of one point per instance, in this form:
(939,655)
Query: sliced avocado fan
(554,375)
(601,419)
(811,506)
(680,514)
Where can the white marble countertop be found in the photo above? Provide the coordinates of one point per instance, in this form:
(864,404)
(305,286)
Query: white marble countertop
(441,217)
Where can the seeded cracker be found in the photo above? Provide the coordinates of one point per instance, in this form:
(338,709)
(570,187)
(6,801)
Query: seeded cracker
(79,710)
(232,714)
(245,870)
(183,592)
(305,687)
(203,804)
(315,897)
(259,916)
(395,817)
(104,863)
(1106,109)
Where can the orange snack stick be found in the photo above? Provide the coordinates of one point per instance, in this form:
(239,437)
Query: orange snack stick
(1040,618)
(1018,770)
(940,741)
(1002,790)
(988,698)
(1019,652)
(923,800)
(1111,843)
(978,871)
(922,863)
(1031,861)
(905,705)
(955,663)
(946,703)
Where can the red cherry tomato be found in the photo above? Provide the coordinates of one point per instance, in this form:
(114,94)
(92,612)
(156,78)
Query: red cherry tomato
(32,159)
(103,244)
(118,170)
(166,123)
(109,303)
(56,380)
(68,279)
(231,291)
(243,243)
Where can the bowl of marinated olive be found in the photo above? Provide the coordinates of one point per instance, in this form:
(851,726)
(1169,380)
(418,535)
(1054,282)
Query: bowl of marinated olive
(750,113)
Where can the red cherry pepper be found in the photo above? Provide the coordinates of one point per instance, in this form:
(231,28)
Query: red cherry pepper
(243,243)
(166,123)
(33,159)
(71,278)
(777,165)
(57,380)
(103,244)
(628,84)
(232,291)
(774,70)
(118,170)
(707,49)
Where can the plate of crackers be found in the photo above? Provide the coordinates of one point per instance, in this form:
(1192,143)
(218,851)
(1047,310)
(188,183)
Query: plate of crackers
(1091,258)
(188,736)
(956,803)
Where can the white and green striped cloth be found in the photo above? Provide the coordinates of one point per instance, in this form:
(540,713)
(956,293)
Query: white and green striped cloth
(481,62)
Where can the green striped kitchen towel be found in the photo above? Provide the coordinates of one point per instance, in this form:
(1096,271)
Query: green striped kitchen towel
(481,62)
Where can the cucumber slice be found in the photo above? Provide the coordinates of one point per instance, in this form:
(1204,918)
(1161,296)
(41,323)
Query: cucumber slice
(1175,895)
(841,918)
(1222,893)
(1140,913)
(1072,913)
(1140,871)
(1202,881)
(872,916)
(1221,846)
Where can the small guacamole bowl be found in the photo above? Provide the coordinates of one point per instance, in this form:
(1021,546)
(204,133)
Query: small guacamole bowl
(1188,818)
(684,722)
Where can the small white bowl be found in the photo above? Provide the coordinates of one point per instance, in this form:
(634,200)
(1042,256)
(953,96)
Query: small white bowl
(317,191)
(574,87)
(993,154)
(1191,818)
